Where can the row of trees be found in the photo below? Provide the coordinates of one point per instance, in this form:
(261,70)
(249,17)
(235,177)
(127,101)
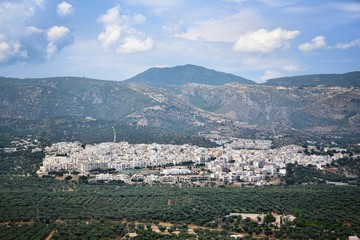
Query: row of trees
(31,198)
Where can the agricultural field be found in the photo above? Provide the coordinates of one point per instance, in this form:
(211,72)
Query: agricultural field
(46,208)
(328,211)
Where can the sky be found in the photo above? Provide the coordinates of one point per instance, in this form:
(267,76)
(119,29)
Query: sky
(117,39)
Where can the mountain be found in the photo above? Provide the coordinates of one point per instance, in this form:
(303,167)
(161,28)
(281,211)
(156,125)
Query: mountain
(314,110)
(351,79)
(29,99)
(70,108)
(180,75)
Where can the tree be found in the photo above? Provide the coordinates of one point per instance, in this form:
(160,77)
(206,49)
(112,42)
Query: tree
(269,218)
(68,178)
(162,228)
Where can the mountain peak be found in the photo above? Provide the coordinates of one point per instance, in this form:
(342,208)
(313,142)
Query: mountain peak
(180,75)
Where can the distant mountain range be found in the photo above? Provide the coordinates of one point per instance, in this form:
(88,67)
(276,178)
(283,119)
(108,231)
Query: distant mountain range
(351,79)
(184,100)
(180,75)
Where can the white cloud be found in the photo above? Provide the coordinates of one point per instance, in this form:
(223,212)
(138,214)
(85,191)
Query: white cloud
(51,50)
(112,16)
(271,74)
(224,28)
(57,33)
(264,41)
(32,30)
(4,51)
(64,9)
(351,44)
(134,44)
(110,36)
(14,14)
(18,50)
(58,37)
(22,39)
(291,68)
(317,42)
(11,49)
(119,33)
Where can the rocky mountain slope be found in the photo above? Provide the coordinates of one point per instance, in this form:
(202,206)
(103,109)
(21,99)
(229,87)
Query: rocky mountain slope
(68,96)
(322,110)
(60,106)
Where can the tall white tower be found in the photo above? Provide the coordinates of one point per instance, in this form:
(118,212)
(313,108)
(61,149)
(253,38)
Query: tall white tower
(114,134)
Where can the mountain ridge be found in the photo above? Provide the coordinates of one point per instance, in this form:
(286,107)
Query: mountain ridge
(184,74)
(180,75)
(234,109)
(349,79)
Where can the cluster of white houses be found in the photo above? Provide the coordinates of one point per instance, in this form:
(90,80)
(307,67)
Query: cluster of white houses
(118,156)
(222,163)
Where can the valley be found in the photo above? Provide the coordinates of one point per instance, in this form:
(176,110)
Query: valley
(163,155)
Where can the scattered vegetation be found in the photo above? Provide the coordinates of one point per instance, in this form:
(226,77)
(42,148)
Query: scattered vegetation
(298,174)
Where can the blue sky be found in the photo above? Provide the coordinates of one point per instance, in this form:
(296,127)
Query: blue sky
(116,39)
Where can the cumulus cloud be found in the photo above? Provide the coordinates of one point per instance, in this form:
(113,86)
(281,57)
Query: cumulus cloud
(14,14)
(57,33)
(64,9)
(225,28)
(134,44)
(51,50)
(317,42)
(110,36)
(264,41)
(11,49)
(112,16)
(119,33)
(4,51)
(58,37)
(351,44)
(21,37)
